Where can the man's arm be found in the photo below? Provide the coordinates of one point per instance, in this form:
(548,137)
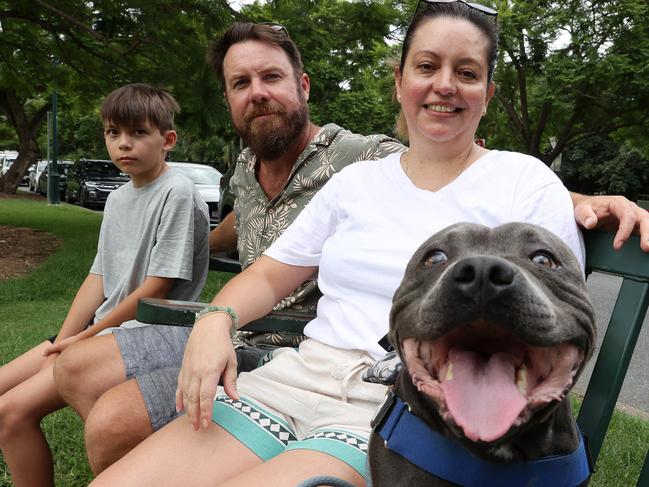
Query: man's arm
(224,237)
(152,287)
(612,212)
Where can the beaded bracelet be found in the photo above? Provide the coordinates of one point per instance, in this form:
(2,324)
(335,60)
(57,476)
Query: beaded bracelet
(220,309)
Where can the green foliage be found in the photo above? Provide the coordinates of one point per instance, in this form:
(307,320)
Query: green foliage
(570,70)
(600,165)
(343,46)
(567,70)
(85,49)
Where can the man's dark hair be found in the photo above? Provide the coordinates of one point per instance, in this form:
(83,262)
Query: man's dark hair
(240,32)
(136,103)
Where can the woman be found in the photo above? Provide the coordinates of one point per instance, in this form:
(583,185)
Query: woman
(307,412)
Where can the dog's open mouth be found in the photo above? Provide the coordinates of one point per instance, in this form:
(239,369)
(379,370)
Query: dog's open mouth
(485,380)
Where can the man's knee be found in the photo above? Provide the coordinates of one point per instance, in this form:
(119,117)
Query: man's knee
(116,424)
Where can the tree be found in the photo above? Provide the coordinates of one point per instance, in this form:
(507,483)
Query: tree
(344,50)
(569,70)
(601,165)
(84,49)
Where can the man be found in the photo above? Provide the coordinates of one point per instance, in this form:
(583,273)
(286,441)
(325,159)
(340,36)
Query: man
(124,388)
(287,161)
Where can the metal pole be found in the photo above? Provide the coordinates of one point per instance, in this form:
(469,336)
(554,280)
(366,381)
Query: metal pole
(49,125)
(53,190)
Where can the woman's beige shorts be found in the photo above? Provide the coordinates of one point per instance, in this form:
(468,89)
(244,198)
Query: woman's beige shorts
(312,398)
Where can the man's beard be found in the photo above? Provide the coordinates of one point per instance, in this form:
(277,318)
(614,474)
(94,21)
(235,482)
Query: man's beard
(269,138)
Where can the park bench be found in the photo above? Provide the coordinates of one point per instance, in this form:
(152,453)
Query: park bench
(613,359)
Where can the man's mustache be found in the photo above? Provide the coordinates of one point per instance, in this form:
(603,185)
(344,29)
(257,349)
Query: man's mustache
(260,110)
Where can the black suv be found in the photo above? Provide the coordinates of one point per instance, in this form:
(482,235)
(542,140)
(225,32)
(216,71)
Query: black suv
(90,181)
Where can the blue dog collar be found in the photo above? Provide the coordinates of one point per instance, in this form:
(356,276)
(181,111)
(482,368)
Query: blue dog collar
(408,436)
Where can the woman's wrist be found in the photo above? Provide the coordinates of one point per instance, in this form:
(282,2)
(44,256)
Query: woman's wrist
(225,311)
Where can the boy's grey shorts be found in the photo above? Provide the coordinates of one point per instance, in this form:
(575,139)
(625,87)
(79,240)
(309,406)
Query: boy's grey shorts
(153,356)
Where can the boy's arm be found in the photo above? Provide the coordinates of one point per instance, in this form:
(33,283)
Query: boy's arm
(152,287)
(224,237)
(82,310)
(84,305)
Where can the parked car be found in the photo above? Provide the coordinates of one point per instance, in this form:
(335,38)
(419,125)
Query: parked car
(90,181)
(35,173)
(206,179)
(25,179)
(7,158)
(63,168)
(226,202)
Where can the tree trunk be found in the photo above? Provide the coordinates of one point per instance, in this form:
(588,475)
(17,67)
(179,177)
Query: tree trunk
(27,131)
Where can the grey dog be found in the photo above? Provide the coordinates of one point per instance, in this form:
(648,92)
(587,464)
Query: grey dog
(493,327)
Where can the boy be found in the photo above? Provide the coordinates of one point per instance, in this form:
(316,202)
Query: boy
(153,243)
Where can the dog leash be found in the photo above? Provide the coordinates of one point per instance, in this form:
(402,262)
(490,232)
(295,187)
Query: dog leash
(408,436)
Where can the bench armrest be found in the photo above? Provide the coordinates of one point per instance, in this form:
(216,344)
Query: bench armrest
(183,313)
(222,263)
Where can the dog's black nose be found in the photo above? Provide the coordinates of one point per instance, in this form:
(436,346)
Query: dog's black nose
(482,277)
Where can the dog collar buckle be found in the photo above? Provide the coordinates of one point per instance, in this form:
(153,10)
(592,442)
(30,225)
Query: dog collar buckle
(384,410)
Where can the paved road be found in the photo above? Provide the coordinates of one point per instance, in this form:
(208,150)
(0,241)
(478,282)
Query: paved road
(635,391)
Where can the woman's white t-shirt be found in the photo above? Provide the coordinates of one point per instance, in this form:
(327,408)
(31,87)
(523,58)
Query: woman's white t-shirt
(363,226)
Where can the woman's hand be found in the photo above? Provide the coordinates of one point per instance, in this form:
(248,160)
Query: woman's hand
(209,355)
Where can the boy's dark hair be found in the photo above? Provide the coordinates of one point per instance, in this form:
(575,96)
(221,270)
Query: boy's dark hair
(136,103)
(240,32)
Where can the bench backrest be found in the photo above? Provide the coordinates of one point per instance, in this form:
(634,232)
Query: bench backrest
(622,331)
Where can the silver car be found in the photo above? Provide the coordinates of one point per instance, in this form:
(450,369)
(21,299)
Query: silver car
(35,173)
(207,180)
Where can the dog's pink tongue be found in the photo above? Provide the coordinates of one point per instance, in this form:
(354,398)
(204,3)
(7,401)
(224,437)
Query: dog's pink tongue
(482,395)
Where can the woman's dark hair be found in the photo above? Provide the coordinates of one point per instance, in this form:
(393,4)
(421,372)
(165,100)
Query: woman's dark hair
(459,10)
(486,23)
(272,35)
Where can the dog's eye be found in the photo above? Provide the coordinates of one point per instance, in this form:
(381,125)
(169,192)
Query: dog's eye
(545,259)
(435,257)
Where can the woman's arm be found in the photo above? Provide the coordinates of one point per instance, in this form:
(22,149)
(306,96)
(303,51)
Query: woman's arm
(209,354)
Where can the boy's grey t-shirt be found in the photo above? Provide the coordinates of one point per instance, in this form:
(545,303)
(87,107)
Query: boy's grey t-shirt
(160,230)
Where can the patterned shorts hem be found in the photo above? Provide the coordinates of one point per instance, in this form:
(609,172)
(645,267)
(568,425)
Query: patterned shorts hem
(343,445)
(260,431)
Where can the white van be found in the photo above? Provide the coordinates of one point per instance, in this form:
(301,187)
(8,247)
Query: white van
(7,158)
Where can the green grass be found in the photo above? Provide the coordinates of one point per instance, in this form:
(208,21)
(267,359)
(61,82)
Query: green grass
(32,308)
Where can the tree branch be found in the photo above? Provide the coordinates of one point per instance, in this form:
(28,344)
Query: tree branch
(76,22)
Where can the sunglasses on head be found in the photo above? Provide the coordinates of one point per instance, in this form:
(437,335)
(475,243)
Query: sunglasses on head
(276,27)
(476,6)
